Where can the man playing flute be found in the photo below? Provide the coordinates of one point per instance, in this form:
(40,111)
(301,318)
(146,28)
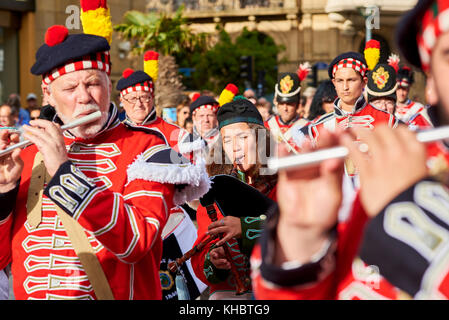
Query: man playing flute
(395,244)
(84,204)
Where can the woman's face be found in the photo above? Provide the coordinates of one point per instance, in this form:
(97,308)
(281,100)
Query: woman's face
(240,145)
(183,114)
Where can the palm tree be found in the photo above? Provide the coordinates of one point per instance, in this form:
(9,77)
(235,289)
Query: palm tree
(168,36)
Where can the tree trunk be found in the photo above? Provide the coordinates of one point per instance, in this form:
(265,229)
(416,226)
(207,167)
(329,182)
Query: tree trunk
(169,87)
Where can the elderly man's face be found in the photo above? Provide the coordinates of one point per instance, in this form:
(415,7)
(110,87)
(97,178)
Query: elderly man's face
(78,94)
(204,120)
(137,105)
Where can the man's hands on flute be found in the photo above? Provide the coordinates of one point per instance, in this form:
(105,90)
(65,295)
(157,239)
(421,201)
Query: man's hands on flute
(391,161)
(308,200)
(11,165)
(396,160)
(48,138)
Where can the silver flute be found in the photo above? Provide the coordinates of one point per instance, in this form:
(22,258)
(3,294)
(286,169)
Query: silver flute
(76,123)
(315,157)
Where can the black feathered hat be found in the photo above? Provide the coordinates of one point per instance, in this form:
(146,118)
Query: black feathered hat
(140,80)
(405,77)
(288,87)
(382,82)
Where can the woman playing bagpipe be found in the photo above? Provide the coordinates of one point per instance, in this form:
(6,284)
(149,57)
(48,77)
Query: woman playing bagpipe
(242,194)
(244,147)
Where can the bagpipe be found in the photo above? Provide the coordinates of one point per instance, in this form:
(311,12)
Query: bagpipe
(234,198)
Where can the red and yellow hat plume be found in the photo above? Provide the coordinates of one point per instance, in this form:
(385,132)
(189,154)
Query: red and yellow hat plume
(372,53)
(96,18)
(228,93)
(151,64)
(393,61)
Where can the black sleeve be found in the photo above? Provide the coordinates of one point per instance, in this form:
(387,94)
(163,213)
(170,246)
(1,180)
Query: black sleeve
(410,236)
(70,188)
(8,201)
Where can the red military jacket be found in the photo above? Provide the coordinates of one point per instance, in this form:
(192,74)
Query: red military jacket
(405,113)
(363,115)
(401,253)
(172,133)
(386,257)
(112,186)
(283,132)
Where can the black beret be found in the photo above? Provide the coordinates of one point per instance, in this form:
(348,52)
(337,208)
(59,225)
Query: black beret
(239,110)
(288,83)
(72,48)
(201,101)
(354,55)
(135,78)
(382,82)
(407,31)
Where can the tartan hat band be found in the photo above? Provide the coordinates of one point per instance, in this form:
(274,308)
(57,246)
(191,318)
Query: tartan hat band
(99,61)
(214,108)
(435,22)
(403,83)
(352,63)
(146,86)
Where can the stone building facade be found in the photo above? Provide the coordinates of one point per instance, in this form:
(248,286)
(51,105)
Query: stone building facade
(310,30)
(26,27)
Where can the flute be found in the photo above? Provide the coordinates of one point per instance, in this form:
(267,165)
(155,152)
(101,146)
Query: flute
(315,157)
(76,123)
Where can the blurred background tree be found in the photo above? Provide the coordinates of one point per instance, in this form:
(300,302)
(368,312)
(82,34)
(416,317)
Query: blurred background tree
(168,36)
(223,63)
(203,66)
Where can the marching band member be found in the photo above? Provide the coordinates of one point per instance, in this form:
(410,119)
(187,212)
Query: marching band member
(137,96)
(245,142)
(395,244)
(82,210)
(348,73)
(287,100)
(407,109)
(205,128)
